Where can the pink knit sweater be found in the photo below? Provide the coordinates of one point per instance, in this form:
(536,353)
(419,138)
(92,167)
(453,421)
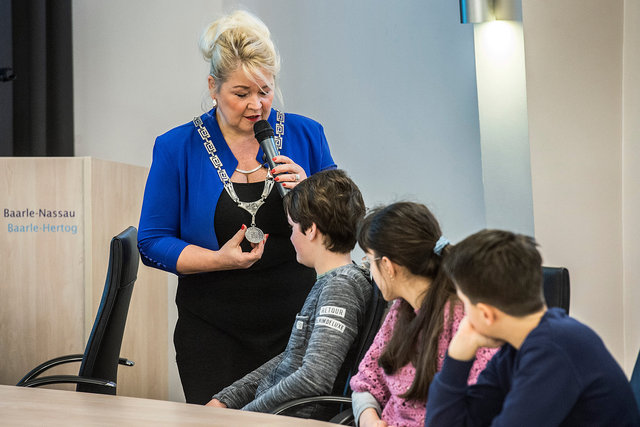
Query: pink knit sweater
(387,388)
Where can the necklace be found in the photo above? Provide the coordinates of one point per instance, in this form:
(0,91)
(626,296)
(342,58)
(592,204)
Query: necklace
(249,172)
(253,233)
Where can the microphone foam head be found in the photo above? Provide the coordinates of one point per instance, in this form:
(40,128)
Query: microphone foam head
(263,130)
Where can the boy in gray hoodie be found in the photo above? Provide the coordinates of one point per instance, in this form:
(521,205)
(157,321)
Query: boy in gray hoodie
(323,212)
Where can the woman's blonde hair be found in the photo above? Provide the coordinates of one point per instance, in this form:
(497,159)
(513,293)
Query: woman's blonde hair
(240,40)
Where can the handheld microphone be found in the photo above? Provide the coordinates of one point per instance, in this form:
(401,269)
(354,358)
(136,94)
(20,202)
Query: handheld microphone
(264,135)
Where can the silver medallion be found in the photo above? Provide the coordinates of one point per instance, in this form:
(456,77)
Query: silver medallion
(254,234)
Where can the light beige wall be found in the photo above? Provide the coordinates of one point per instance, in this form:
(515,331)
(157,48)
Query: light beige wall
(41,292)
(631,180)
(116,198)
(573,51)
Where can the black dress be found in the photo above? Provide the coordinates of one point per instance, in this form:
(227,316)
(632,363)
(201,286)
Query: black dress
(231,322)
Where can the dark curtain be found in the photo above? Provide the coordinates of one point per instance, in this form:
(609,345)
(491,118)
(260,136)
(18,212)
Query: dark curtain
(43,85)
(6,78)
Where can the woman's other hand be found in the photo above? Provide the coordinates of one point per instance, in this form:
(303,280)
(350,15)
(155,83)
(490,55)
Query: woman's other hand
(231,256)
(195,259)
(289,173)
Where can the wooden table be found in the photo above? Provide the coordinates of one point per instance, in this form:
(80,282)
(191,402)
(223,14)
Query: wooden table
(23,406)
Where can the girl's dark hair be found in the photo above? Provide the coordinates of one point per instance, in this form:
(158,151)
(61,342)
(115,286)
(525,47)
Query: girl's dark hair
(407,233)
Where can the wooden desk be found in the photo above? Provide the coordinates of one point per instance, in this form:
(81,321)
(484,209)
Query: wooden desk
(22,406)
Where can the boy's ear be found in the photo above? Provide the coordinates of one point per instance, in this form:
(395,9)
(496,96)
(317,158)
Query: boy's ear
(489,313)
(311,232)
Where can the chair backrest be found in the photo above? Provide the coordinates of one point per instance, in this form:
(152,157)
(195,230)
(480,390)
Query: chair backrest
(635,380)
(102,352)
(556,287)
(373,318)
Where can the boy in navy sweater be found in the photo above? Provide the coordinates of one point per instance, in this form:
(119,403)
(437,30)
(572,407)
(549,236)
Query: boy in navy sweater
(551,370)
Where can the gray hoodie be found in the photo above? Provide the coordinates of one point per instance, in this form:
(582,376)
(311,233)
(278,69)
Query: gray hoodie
(322,334)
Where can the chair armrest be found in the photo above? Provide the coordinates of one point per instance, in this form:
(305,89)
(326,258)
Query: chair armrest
(49,364)
(306,400)
(344,418)
(67,379)
(126,362)
(60,361)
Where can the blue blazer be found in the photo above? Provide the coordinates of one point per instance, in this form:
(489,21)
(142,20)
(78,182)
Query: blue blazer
(183,187)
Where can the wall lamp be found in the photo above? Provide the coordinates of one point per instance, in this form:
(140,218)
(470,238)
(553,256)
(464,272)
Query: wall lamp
(477,11)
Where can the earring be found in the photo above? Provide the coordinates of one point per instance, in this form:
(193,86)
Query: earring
(215,103)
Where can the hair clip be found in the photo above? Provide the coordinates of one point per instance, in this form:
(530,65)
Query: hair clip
(440,244)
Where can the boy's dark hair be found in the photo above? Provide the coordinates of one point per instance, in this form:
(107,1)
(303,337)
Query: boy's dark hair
(332,201)
(499,268)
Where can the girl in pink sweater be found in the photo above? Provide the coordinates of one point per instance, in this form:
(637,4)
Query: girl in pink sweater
(405,247)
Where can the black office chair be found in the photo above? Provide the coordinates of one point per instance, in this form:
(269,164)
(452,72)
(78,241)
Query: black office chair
(557,290)
(341,393)
(635,380)
(99,369)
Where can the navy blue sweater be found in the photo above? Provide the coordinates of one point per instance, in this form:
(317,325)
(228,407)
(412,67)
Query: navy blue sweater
(562,376)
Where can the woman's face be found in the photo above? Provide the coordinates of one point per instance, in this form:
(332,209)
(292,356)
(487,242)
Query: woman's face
(241,102)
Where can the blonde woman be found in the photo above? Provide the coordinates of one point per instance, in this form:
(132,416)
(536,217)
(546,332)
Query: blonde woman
(239,283)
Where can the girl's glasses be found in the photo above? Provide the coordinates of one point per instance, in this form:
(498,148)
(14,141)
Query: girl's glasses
(367,264)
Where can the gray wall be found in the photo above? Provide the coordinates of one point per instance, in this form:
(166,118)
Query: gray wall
(395,90)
